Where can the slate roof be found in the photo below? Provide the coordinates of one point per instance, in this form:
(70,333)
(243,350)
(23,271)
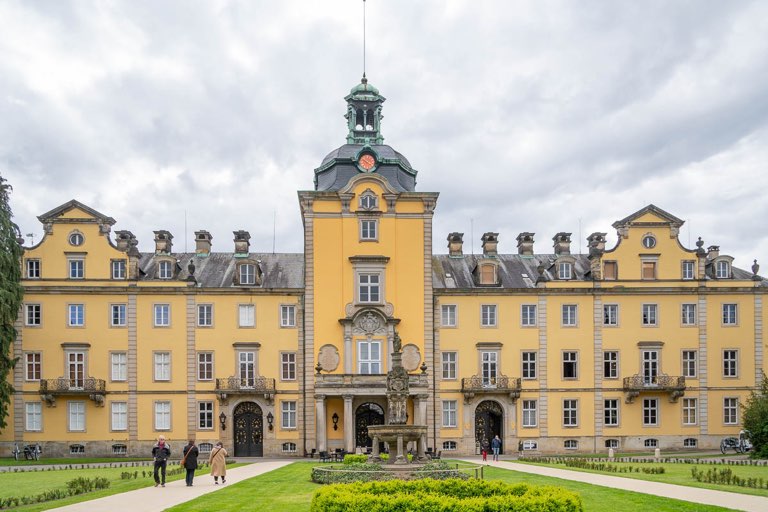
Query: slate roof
(338,167)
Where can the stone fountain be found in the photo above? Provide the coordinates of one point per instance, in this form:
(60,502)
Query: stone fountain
(396,432)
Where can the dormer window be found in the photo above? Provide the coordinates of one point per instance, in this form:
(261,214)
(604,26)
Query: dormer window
(722,270)
(565,270)
(369,200)
(164,270)
(488,274)
(247,273)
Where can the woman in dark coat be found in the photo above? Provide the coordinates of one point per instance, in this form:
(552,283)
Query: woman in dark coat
(189,460)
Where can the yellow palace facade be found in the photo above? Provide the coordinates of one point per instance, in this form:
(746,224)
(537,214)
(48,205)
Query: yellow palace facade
(646,344)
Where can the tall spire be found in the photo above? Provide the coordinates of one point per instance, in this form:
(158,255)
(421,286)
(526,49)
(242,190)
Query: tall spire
(363,38)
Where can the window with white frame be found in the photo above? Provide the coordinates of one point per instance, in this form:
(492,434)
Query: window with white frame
(33,416)
(368,200)
(288,447)
(722,270)
(205,315)
(247,368)
(162,315)
(205,366)
(730,411)
(288,366)
(33,269)
(77,449)
(611,412)
(76,268)
(246,315)
(34,366)
(530,416)
(119,449)
(163,366)
(449,365)
(688,269)
(368,229)
(205,415)
(205,447)
(689,411)
(76,315)
(117,315)
(569,312)
(729,314)
(688,314)
(651,443)
(570,365)
(76,416)
(34,315)
(571,444)
(448,315)
(610,364)
(118,362)
(247,273)
(730,363)
(612,443)
(529,364)
(369,287)
(369,357)
(488,315)
(650,411)
(528,315)
(288,414)
(163,415)
(288,315)
(489,367)
(450,446)
(119,415)
(118,269)
(449,413)
(164,270)
(690,442)
(690,364)
(564,270)
(570,413)
(650,314)
(610,315)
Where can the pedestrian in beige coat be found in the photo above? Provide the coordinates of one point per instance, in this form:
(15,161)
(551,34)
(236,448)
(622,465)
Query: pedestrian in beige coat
(218,462)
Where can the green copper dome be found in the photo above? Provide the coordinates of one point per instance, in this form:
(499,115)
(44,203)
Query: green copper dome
(364,87)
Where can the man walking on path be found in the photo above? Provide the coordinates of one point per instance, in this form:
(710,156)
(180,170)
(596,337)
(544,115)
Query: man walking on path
(160,452)
(496,446)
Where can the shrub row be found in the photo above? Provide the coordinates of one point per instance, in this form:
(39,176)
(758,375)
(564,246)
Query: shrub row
(77,486)
(726,477)
(652,460)
(611,468)
(443,496)
(350,472)
(438,470)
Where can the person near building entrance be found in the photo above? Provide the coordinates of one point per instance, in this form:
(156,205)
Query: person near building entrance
(160,452)
(218,462)
(189,461)
(484,446)
(496,446)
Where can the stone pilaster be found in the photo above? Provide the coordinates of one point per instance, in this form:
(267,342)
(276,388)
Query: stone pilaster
(191,321)
(133,403)
(18,380)
(597,357)
(322,442)
(541,310)
(349,424)
(703,367)
(758,340)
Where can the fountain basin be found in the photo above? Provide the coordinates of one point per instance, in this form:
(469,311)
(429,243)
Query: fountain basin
(399,436)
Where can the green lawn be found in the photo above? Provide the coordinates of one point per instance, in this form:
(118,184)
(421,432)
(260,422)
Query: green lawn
(289,489)
(10,461)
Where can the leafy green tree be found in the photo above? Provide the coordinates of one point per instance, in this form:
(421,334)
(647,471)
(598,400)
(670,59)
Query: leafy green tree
(11,294)
(756,419)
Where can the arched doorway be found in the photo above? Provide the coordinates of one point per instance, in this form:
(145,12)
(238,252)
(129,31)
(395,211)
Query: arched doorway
(249,430)
(489,421)
(367,414)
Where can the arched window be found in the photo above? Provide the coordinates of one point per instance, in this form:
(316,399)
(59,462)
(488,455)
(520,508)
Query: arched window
(289,447)
(449,445)
(571,444)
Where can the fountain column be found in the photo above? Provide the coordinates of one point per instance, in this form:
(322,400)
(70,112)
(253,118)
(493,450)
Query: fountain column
(349,425)
(322,441)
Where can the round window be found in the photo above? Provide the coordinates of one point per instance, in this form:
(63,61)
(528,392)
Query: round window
(76,239)
(649,242)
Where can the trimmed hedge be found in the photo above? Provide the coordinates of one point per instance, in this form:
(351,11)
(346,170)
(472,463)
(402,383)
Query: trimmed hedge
(443,496)
(439,470)
(351,458)
(350,472)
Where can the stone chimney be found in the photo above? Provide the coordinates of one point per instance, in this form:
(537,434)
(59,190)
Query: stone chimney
(490,244)
(123,240)
(126,241)
(562,243)
(203,242)
(525,244)
(596,244)
(713,251)
(163,242)
(242,242)
(455,244)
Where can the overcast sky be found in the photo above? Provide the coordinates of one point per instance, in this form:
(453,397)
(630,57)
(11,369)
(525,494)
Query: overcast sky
(539,116)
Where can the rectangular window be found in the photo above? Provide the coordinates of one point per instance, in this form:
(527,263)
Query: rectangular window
(247,368)
(650,314)
(162,315)
(163,415)
(488,315)
(650,411)
(119,413)
(369,287)
(689,411)
(611,315)
(205,315)
(688,314)
(205,415)
(528,315)
(34,315)
(449,413)
(34,365)
(247,273)
(119,366)
(649,270)
(570,413)
(117,315)
(118,269)
(33,269)
(448,315)
(76,269)
(687,270)
(163,366)
(730,363)
(564,270)
(570,365)
(730,411)
(610,271)
(288,366)
(489,368)
(288,315)
(33,416)
(76,369)
(247,315)
(729,314)
(164,270)
(76,416)
(611,412)
(205,366)
(288,414)
(76,315)
(368,229)
(529,365)
(722,270)
(569,313)
(449,365)
(610,364)
(690,364)
(530,416)
(369,357)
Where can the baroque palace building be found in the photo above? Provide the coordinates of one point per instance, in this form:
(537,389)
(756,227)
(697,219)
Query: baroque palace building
(646,344)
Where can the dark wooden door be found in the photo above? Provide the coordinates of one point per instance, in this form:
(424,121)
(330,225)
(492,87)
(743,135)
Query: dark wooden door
(249,430)
(489,419)
(367,414)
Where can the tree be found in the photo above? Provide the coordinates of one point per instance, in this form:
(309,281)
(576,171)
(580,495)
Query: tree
(756,419)
(11,294)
